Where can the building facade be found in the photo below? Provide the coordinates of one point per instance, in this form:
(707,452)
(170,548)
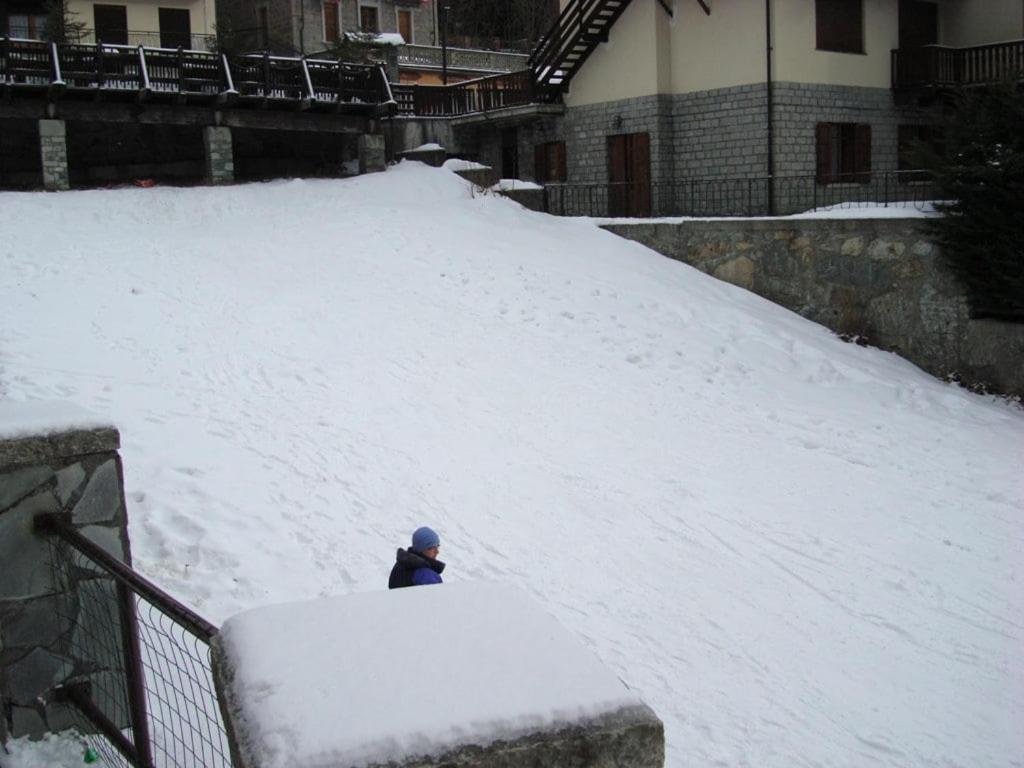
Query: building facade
(189,24)
(311,26)
(708,89)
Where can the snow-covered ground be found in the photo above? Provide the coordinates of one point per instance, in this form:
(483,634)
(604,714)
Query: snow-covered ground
(800,552)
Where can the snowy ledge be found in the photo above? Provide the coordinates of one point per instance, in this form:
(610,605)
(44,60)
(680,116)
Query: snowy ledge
(37,431)
(471,674)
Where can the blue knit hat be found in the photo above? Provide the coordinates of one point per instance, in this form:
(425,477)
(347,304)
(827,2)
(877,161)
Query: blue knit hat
(424,538)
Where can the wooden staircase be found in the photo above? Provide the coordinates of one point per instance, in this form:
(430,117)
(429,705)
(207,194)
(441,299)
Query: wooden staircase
(580,28)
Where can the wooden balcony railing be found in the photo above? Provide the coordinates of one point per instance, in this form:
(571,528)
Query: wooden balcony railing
(484,94)
(937,65)
(469,60)
(150,73)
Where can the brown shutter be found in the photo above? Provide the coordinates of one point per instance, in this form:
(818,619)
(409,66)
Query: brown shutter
(862,158)
(540,163)
(823,142)
(331,21)
(640,175)
(561,166)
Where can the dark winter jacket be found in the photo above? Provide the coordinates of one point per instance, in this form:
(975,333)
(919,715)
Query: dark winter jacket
(413,570)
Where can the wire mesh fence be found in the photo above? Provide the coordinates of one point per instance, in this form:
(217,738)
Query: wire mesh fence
(751,196)
(141,692)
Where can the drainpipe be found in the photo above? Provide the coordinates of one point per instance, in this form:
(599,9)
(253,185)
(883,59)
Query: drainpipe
(769,106)
(302,27)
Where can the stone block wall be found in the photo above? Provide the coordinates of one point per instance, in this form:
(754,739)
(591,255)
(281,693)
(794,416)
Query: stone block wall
(43,641)
(721,133)
(878,279)
(799,107)
(53,149)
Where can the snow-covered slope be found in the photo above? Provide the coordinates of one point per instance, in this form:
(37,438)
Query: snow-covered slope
(798,551)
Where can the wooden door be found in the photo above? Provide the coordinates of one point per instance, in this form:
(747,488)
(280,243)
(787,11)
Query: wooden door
(509,153)
(629,175)
(405,26)
(111,24)
(175,28)
(331,21)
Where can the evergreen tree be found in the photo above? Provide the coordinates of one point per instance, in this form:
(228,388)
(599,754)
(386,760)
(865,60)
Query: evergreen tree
(981,176)
(62,26)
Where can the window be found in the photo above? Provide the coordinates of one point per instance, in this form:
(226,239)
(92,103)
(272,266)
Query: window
(331,21)
(175,28)
(369,20)
(549,162)
(405,25)
(840,25)
(26,26)
(844,153)
(111,24)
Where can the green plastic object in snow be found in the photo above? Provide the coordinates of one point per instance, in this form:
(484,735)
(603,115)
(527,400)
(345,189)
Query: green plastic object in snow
(90,755)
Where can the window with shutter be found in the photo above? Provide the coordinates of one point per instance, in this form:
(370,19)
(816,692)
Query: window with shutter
(843,153)
(549,162)
(839,25)
(369,20)
(331,21)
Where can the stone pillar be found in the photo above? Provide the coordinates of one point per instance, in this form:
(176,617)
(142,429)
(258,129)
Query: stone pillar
(220,158)
(45,635)
(53,147)
(372,156)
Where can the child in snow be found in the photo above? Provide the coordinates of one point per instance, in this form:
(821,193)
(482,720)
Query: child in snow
(418,564)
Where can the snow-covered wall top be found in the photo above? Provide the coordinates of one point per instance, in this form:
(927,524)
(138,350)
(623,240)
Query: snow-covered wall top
(375,677)
(43,417)
(35,431)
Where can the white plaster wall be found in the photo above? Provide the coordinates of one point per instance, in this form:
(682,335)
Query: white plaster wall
(977,22)
(627,65)
(143,15)
(722,50)
(798,60)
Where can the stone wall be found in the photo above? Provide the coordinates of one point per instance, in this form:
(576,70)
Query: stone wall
(44,640)
(799,107)
(881,280)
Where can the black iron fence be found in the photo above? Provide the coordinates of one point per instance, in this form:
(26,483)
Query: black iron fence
(143,693)
(752,196)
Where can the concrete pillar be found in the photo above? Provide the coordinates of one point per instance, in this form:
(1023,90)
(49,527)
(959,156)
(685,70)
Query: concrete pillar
(372,157)
(220,158)
(53,148)
(51,609)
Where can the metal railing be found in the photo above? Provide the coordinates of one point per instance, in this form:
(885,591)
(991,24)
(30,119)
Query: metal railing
(144,696)
(145,72)
(483,94)
(937,65)
(750,196)
(460,59)
(147,39)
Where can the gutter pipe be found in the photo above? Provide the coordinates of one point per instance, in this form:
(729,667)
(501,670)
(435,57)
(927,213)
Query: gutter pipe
(769,106)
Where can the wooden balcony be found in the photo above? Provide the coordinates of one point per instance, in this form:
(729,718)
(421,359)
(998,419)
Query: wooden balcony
(483,95)
(140,74)
(936,66)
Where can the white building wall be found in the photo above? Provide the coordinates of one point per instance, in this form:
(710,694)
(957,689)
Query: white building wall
(978,22)
(722,50)
(798,60)
(627,66)
(143,15)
